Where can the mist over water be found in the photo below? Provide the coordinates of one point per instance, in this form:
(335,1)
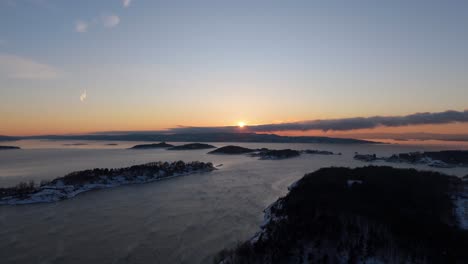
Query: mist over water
(180,220)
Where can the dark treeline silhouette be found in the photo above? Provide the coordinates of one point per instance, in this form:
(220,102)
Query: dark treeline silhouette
(337,215)
(152,146)
(8,147)
(276,153)
(192,146)
(234,150)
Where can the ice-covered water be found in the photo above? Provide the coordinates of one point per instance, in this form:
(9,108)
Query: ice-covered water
(181,220)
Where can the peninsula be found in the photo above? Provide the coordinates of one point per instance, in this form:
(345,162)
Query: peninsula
(82,181)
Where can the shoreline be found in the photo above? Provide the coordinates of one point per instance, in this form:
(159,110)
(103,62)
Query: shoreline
(58,190)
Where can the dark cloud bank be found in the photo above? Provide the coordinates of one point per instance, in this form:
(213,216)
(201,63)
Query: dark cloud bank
(342,124)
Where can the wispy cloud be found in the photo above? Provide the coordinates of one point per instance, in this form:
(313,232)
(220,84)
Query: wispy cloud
(126,3)
(110,21)
(83,96)
(81,26)
(105,20)
(342,124)
(17,67)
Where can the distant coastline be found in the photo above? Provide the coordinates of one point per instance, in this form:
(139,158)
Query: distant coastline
(199,137)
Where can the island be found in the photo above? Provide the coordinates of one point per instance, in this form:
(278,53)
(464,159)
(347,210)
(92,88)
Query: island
(268,154)
(82,181)
(319,152)
(75,144)
(232,150)
(192,146)
(363,215)
(274,154)
(153,146)
(440,159)
(8,147)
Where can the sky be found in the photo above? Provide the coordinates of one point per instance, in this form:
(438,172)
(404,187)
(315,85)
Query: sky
(112,65)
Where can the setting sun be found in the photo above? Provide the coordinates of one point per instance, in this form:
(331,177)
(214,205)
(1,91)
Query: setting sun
(241,124)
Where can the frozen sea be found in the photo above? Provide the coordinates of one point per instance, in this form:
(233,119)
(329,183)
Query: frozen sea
(179,220)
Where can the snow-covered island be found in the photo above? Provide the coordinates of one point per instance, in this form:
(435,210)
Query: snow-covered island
(82,181)
(343,215)
(439,159)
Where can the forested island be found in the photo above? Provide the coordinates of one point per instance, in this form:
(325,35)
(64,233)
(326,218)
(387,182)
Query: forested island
(192,146)
(153,146)
(268,154)
(232,150)
(8,147)
(363,215)
(276,154)
(83,181)
(440,159)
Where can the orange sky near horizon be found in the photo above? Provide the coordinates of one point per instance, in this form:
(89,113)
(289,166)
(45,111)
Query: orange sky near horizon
(128,122)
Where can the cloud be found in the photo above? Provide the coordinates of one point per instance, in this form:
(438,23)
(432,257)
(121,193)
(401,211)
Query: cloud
(342,124)
(126,3)
(83,96)
(106,20)
(16,67)
(110,21)
(81,26)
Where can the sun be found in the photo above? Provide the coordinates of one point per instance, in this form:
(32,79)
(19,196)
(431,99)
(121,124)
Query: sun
(241,124)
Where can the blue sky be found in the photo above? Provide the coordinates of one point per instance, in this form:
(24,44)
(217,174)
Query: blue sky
(156,64)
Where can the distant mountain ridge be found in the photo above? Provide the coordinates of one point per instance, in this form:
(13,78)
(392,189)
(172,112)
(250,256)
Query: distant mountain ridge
(7,138)
(201,137)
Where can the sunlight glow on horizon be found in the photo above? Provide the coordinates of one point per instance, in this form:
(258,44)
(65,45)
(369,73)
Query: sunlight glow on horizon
(203,64)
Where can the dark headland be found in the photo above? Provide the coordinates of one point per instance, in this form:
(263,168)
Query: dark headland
(363,215)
